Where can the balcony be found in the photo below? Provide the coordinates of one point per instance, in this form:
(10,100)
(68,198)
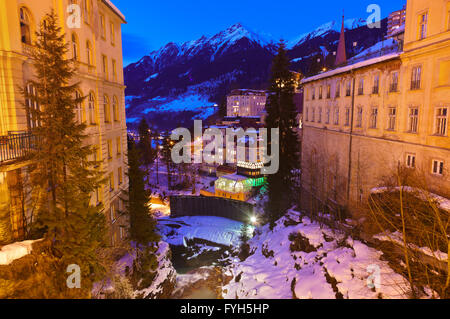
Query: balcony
(15,146)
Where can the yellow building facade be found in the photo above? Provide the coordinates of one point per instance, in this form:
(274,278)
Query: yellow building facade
(363,120)
(95,43)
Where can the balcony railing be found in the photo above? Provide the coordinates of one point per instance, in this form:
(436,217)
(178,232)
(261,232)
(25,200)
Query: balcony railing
(16,146)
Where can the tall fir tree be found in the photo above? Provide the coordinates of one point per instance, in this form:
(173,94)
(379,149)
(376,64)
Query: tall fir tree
(145,142)
(142,225)
(281,113)
(62,176)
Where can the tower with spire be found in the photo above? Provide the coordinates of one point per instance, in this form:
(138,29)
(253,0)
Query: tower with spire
(341,57)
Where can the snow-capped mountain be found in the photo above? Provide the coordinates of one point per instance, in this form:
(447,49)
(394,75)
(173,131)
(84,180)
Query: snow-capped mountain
(178,82)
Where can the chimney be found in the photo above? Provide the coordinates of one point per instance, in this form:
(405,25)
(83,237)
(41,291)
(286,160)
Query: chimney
(341,57)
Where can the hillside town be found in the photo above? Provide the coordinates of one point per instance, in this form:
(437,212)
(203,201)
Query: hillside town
(316,168)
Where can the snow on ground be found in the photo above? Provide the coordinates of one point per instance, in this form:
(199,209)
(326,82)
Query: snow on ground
(214,229)
(311,274)
(14,251)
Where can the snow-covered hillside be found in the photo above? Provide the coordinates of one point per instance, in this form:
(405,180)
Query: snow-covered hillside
(301,259)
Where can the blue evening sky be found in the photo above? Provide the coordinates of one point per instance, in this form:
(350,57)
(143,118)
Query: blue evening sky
(153,23)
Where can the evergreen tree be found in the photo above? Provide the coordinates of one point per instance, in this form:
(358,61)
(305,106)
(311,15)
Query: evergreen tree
(281,113)
(166,153)
(145,142)
(142,225)
(223,107)
(62,177)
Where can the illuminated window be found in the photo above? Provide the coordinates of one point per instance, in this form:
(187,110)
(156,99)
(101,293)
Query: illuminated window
(25,26)
(320,92)
(106,109)
(87,10)
(327,116)
(328,91)
(348,90)
(338,89)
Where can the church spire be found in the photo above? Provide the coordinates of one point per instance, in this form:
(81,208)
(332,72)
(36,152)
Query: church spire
(341,56)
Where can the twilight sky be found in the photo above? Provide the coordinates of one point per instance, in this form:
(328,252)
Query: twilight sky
(153,23)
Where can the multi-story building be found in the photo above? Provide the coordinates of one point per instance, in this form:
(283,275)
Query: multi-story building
(246,103)
(96,46)
(396,20)
(363,120)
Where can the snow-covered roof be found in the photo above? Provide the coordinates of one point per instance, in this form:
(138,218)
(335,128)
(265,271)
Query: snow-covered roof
(115,9)
(351,67)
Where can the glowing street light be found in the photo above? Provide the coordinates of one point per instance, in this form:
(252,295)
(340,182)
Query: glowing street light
(253,220)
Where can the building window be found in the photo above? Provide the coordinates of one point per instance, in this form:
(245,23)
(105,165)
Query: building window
(416,76)
(361,87)
(119,175)
(306,114)
(313,115)
(91,108)
(98,196)
(320,92)
(89,53)
(114,70)
(348,90)
(116,109)
(78,108)
(109,149)
(373,118)
(413,120)
(119,146)
(327,116)
(32,107)
(336,116)
(359,116)
(25,26)
(441,121)
(438,167)
(103,26)
(96,156)
(394,82)
(106,109)
(347,116)
(87,10)
(392,118)
(75,48)
(410,160)
(113,33)
(112,214)
(423,21)
(313,92)
(328,91)
(319,120)
(338,89)
(105,66)
(376,84)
